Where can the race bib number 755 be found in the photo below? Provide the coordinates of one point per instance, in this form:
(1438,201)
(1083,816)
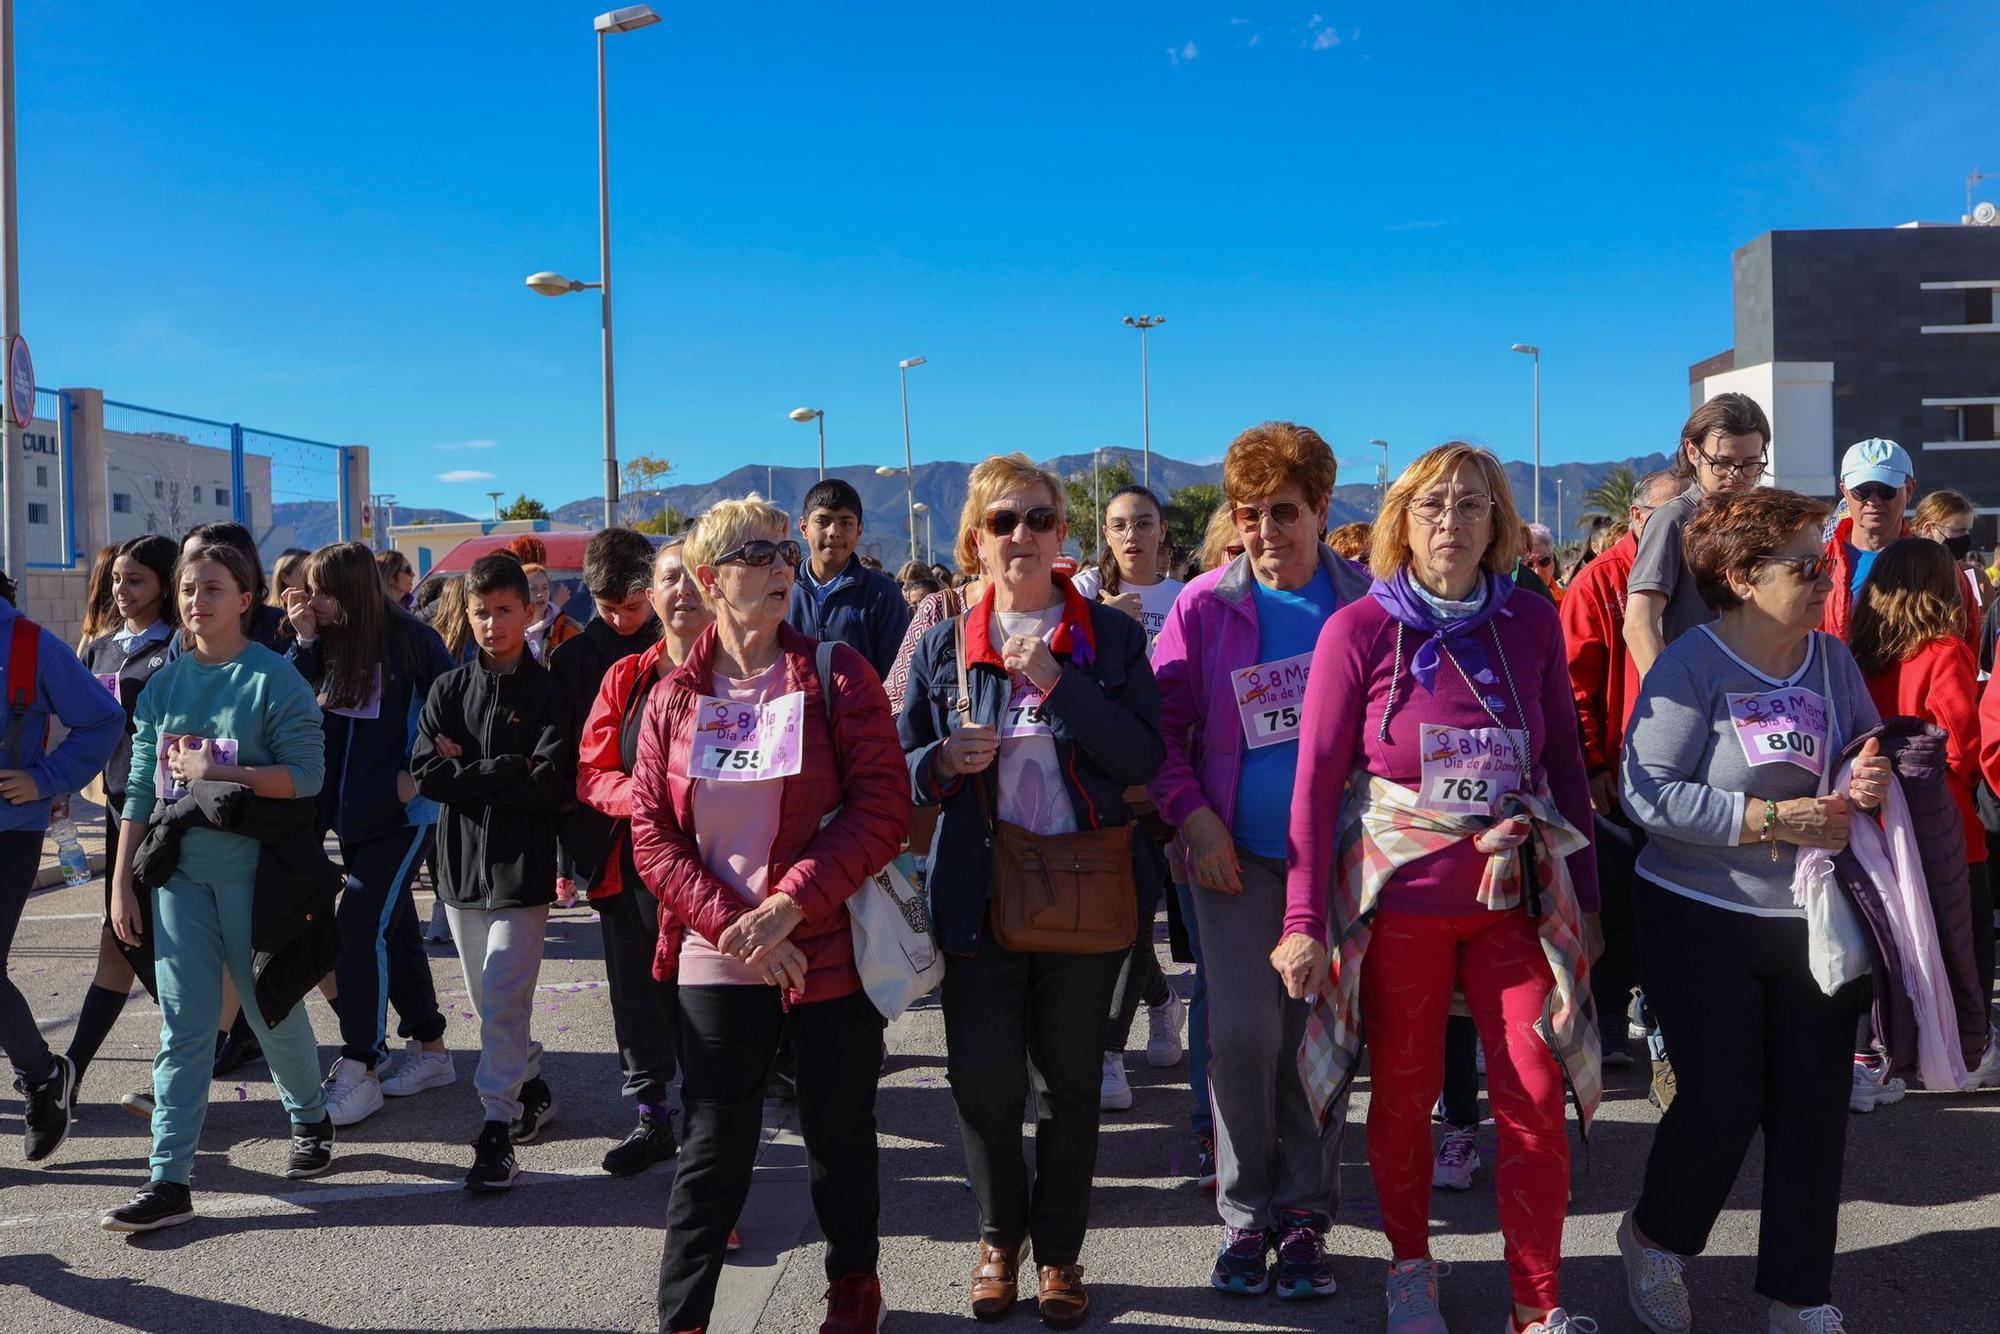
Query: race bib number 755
(745,743)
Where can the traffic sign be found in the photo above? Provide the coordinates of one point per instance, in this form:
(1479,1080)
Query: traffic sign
(20,380)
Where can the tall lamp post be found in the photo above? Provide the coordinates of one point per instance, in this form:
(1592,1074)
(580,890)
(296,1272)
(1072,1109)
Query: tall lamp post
(818,415)
(554,284)
(1142,323)
(1536,353)
(494,496)
(909,467)
(1382,486)
(930,548)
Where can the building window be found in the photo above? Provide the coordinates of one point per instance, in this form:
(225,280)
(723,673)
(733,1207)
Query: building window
(37,513)
(120,503)
(159,490)
(41,474)
(1979,305)
(197,495)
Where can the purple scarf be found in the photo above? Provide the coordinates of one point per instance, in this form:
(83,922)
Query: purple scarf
(1407,607)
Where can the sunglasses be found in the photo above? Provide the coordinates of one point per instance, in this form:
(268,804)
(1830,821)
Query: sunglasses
(1285,513)
(1040,519)
(761,553)
(1809,569)
(1872,493)
(1541,562)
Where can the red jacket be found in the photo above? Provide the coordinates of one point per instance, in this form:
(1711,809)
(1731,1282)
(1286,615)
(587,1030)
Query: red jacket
(1601,675)
(601,780)
(1940,684)
(1840,602)
(818,866)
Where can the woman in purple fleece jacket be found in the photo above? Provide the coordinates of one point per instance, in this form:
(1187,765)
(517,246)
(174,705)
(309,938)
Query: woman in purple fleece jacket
(1439,736)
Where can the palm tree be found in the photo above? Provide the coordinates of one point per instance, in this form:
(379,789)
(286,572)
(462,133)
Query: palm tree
(1612,497)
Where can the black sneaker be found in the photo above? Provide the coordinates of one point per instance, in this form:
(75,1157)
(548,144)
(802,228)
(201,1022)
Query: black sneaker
(139,1102)
(538,1108)
(160,1204)
(1613,1044)
(50,1107)
(312,1150)
(239,1049)
(493,1164)
(651,1141)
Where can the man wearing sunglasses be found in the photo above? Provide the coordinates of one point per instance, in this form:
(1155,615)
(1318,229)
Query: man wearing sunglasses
(1878,482)
(1725,447)
(836,596)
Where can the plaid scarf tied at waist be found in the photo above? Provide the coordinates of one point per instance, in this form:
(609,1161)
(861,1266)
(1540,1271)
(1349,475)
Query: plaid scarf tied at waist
(1384,826)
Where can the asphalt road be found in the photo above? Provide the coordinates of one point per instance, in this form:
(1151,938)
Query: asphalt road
(390,1241)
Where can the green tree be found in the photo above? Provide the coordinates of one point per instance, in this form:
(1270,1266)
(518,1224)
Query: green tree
(665,520)
(1188,512)
(1086,528)
(1610,498)
(638,475)
(525,507)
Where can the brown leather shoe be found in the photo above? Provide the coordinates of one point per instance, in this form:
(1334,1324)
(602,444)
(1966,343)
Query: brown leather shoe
(1064,1303)
(996,1281)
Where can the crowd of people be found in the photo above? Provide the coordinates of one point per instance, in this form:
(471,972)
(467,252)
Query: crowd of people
(1420,798)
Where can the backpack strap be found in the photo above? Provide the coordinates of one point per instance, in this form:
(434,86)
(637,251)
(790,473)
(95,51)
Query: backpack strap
(23,669)
(823,664)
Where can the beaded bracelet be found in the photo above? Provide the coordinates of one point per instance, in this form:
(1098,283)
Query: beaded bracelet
(1769,833)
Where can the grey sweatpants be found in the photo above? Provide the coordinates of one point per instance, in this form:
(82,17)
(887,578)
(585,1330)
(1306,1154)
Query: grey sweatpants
(501,953)
(1271,1155)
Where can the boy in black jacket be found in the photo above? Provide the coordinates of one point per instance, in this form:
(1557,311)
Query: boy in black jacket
(494,748)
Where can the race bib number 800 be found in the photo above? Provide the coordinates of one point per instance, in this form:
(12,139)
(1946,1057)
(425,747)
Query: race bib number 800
(1781,727)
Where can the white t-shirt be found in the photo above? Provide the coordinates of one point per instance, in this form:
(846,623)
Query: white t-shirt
(1155,599)
(1030,792)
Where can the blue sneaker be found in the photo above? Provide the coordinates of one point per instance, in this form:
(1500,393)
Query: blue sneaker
(1241,1266)
(1304,1268)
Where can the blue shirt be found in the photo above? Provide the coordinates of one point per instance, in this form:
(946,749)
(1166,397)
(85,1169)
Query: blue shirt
(1288,624)
(1864,565)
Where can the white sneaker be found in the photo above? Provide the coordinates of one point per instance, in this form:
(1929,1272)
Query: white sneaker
(1872,1086)
(1115,1093)
(1457,1160)
(1987,1076)
(419,1069)
(1412,1291)
(353,1093)
(1653,1284)
(1806,1319)
(1557,1321)
(1163,1033)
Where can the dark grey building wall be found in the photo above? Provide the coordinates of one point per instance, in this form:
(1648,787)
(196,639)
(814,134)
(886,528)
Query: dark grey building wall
(1855,298)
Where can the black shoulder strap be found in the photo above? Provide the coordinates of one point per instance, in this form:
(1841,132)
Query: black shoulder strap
(823,664)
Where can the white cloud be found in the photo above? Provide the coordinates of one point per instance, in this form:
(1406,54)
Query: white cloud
(1256,37)
(1326,39)
(468,444)
(465,475)
(1188,52)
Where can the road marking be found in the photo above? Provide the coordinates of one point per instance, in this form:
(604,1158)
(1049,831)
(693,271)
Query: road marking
(63,917)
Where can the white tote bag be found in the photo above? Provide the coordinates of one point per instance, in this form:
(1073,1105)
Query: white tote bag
(895,950)
(1837,949)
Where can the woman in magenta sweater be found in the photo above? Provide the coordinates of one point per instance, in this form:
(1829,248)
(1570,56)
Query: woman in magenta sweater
(1438,760)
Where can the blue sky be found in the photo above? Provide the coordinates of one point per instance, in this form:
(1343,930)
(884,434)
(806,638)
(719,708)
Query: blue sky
(316,219)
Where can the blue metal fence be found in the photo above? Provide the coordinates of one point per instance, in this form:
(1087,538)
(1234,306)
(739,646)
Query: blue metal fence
(50,473)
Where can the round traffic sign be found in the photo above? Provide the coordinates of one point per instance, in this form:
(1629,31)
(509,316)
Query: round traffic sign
(20,380)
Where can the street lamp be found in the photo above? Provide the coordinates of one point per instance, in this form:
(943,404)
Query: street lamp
(1142,323)
(930,547)
(909,468)
(554,284)
(818,415)
(1382,487)
(494,496)
(1536,353)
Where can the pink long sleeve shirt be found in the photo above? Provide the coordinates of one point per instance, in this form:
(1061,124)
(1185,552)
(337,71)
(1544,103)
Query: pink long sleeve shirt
(1342,734)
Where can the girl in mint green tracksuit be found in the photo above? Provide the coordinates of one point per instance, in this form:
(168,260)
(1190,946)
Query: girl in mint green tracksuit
(233,711)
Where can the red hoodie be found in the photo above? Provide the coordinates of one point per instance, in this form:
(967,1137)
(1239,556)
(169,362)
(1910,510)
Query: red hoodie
(1840,602)
(1940,684)
(1601,675)
(601,780)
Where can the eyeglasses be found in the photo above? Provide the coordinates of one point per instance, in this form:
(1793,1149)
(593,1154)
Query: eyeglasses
(1430,510)
(1139,526)
(1040,519)
(1734,467)
(1809,569)
(761,553)
(1541,562)
(1872,493)
(1285,513)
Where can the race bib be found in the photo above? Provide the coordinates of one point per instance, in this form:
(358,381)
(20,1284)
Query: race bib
(746,743)
(1270,699)
(371,707)
(164,782)
(1023,715)
(1781,727)
(109,680)
(1465,771)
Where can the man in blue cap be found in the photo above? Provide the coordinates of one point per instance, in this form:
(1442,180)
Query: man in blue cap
(1878,483)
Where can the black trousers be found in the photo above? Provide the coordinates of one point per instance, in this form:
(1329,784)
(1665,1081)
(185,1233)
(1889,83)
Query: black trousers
(1461,1072)
(645,1012)
(1007,1017)
(1614,974)
(20,1036)
(1139,977)
(1982,926)
(139,956)
(1756,1045)
(382,960)
(729,1035)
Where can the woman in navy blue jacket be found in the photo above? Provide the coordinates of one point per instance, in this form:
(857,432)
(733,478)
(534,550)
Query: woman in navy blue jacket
(372,664)
(62,689)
